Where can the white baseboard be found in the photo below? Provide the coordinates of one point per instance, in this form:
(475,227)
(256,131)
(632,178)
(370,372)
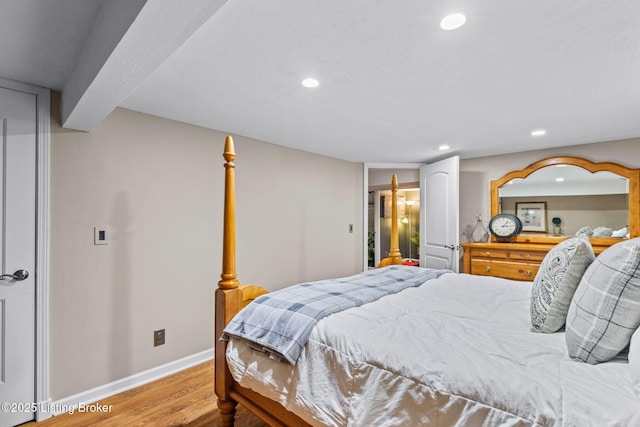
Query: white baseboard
(71,403)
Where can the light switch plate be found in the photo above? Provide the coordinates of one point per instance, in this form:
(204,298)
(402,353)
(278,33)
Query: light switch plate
(100,236)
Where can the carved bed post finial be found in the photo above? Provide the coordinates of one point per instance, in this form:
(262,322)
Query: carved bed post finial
(229,277)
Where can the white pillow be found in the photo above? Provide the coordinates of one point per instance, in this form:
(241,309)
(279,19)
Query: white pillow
(585,231)
(602,232)
(620,233)
(634,361)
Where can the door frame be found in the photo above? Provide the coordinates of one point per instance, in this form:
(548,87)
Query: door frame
(365,204)
(43,161)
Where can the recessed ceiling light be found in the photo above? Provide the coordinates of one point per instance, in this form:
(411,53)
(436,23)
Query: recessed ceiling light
(539,132)
(559,179)
(443,147)
(452,22)
(310,82)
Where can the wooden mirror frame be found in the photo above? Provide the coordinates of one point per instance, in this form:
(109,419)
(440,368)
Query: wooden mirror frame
(633,175)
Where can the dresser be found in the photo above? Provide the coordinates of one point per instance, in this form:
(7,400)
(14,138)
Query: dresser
(516,261)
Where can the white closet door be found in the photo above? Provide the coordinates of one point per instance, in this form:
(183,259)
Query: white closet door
(17,255)
(439,211)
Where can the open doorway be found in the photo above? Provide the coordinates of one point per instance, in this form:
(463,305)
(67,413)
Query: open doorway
(408,225)
(435,216)
(378,216)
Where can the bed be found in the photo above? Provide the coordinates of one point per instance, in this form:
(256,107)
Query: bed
(454,350)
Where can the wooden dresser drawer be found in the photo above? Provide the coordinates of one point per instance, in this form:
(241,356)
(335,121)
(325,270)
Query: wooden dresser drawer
(527,256)
(514,261)
(506,269)
(489,253)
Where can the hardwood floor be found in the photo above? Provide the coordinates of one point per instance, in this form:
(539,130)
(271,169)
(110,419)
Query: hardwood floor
(183,399)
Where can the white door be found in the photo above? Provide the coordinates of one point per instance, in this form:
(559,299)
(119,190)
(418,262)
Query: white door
(17,255)
(439,200)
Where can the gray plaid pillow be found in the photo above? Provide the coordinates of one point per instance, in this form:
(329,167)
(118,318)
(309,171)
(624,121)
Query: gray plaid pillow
(556,281)
(634,361)
(605,310)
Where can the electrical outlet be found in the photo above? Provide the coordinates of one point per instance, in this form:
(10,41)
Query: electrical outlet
(158,337)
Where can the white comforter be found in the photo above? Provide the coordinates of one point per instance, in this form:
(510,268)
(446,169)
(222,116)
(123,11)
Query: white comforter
(456,351)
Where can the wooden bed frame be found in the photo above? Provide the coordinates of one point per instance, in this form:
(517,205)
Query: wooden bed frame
(230,298)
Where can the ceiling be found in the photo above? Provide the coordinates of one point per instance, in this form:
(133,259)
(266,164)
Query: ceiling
(565,180)
(393,85)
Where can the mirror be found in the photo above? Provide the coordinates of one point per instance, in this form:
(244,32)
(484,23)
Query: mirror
(558,196)
(564,199)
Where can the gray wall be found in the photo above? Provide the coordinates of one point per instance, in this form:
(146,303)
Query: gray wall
(157,185)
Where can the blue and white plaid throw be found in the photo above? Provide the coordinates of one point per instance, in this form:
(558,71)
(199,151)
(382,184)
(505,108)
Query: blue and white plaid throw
(280,322)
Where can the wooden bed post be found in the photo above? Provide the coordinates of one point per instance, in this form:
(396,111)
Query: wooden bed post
(394,257)
(228,298)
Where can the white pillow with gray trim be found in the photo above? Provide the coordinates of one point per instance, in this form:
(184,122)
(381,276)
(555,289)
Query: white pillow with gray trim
(634,361)
(556,281)
(604,312)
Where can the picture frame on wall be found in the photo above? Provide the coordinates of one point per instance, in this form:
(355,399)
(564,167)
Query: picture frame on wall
(533,216)
(386,206)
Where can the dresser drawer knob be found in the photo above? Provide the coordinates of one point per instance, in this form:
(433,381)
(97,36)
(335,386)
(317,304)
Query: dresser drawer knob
(487,254)
(487,269)
(528,272)
(528,256)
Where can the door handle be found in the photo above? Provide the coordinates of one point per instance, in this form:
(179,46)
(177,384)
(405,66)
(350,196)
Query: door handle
(17,276)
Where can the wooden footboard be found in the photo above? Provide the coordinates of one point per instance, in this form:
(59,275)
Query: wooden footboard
(230,298)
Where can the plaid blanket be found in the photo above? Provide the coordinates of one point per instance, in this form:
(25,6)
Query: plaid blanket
(280,322)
